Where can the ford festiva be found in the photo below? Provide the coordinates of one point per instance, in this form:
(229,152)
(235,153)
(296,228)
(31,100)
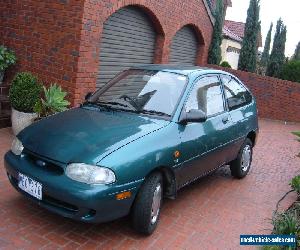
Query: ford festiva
(147,133)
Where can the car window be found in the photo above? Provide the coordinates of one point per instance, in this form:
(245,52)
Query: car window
(207,96)
(236,94)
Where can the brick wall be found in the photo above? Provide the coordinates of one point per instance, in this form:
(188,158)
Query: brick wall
(59,40)
(276,99)
(45,37)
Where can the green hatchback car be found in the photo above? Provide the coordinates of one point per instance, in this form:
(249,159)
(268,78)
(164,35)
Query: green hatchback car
(143,136)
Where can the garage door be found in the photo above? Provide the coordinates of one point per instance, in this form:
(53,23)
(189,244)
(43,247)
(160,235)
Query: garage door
(184,47)
(128,39)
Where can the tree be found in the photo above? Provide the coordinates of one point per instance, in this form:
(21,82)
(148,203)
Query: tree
(297,52)
(214,54)
(247,60)
(277,57)
(266,53)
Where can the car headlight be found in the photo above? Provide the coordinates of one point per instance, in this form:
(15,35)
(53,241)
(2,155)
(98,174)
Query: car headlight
(90,174)
(17,146)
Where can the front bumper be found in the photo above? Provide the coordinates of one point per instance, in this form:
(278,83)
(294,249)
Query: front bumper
(75,200)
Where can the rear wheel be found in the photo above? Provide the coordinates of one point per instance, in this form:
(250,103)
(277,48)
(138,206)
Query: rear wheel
(147,206)
(241,165)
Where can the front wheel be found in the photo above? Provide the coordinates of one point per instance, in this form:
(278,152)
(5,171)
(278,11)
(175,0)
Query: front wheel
(241,165)
(147,206)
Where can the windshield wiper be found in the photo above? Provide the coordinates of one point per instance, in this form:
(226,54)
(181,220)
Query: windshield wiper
(111,103)
(97,104)
(154,112)
(108,106)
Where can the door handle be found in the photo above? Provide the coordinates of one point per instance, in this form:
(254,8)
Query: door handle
(225,119)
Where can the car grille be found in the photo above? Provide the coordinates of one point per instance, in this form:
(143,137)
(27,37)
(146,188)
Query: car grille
(43,163)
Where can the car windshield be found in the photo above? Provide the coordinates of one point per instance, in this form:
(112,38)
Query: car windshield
(142,91)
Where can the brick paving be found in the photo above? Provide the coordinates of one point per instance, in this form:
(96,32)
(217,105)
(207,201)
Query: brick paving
(209,214)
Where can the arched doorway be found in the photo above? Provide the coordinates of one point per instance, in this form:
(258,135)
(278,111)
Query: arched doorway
(128,39)
(184,47)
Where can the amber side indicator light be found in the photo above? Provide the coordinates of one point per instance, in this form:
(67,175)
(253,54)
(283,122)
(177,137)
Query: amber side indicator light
(123,195)
(176,154)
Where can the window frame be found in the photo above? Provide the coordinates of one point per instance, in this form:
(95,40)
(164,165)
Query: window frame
(239,82)
(225,104)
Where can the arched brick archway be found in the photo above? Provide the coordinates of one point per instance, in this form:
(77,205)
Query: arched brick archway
(129,38)
(187,46)
(157,25)
(94,18)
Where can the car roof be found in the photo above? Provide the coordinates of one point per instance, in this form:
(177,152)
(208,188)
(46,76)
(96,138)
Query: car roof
(179,69)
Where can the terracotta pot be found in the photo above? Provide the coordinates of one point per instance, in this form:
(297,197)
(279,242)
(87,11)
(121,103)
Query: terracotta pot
(21,120)
(1,76)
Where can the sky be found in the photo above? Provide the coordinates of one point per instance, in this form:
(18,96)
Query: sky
(271,11)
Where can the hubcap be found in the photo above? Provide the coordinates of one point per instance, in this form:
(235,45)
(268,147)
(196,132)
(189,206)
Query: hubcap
(156,203)
(246,158)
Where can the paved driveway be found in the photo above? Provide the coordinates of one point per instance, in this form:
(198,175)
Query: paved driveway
(209,214)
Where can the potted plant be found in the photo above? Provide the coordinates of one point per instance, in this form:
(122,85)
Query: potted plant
(52,102)
(24,93)
(7,58)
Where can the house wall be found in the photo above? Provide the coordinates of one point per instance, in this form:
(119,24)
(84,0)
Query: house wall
(231,57)
(276,99)
(59,40)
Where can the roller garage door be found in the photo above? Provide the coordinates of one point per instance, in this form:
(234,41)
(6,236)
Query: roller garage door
(128,39)
(184,47)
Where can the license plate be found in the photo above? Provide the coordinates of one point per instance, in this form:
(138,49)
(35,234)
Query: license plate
(30,186)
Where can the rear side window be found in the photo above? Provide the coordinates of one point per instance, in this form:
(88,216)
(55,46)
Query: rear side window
(206,96)
(236,94)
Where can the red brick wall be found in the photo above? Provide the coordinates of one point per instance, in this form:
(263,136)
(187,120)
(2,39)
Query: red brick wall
(276,99)
(60,40)
(45,36)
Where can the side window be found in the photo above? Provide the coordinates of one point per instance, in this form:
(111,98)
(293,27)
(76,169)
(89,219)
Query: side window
(236,94)
(206,96)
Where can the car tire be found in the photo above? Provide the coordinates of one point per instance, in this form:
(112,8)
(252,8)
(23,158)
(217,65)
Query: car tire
(147,205)
(241,165)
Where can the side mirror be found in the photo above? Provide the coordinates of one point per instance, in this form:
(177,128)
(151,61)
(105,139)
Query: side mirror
(88,95)
(194,115)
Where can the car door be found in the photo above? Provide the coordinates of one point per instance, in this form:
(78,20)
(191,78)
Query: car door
(237,98)
(203,145)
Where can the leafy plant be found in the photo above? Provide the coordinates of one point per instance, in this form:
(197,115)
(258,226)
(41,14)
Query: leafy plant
(295,184)
(24,92)
(297,133)
(225,64)
(291,71)
(52,102)
(7,58)
(286,223)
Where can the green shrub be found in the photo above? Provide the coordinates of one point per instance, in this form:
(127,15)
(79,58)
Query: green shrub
(295,184)
(7,58)
(52,102)
(225,64)
(286,223)
(24,92)
(291,71)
